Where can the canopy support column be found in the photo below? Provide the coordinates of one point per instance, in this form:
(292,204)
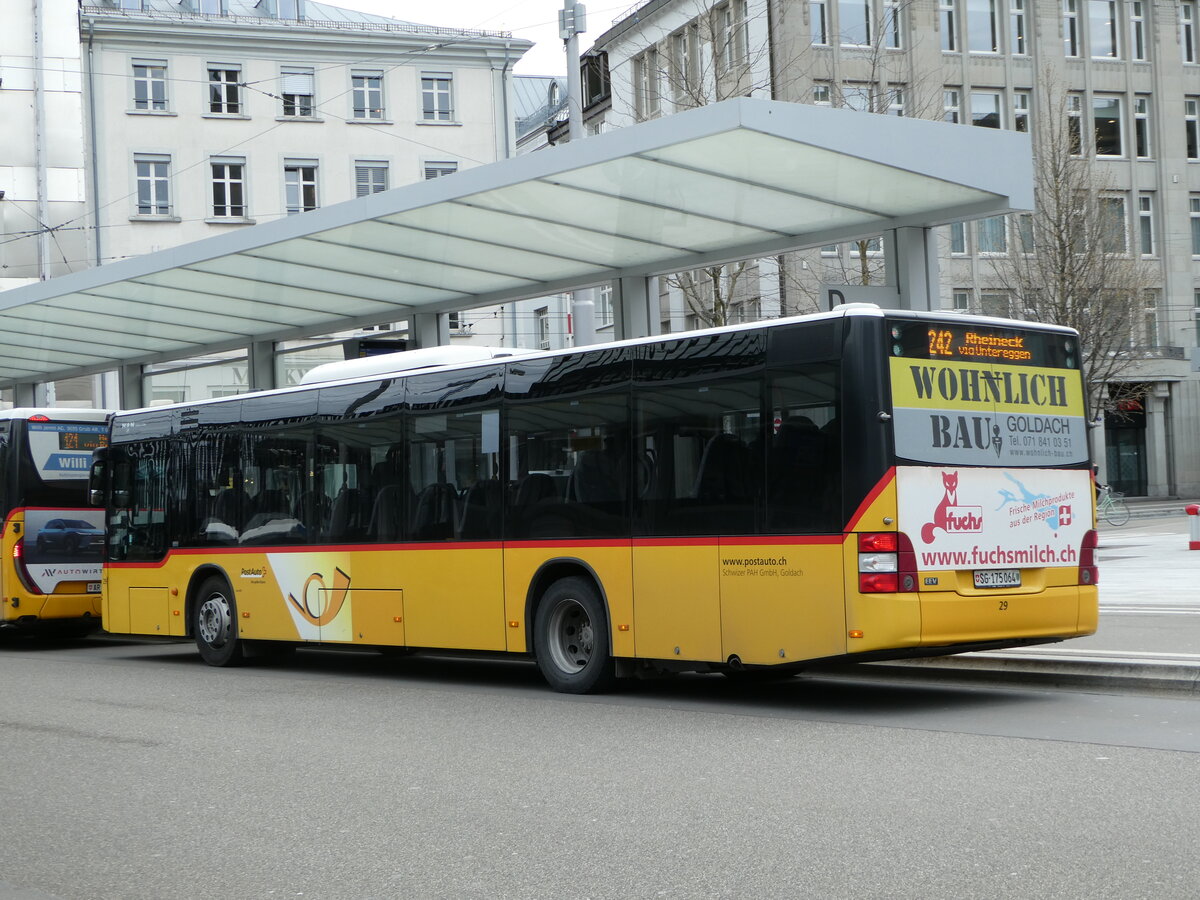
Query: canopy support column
(635,307)
(24,394)
(130,391)
(910,257)
(428,330)
(260,365)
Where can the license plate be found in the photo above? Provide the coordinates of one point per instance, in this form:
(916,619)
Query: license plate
(93,587)
(997,578)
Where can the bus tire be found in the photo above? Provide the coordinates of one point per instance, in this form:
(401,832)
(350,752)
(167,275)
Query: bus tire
(571,638)
(214,624)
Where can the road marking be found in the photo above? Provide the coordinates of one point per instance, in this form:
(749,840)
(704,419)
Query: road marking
(1151,610)
(1105,654)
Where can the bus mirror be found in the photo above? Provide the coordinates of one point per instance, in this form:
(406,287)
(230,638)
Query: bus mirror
(120,499)
(96,480)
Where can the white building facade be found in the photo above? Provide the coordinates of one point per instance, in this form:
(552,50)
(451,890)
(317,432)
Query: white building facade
(1130,73)
(176,121)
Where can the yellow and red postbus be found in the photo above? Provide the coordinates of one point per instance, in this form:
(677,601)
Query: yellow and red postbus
(53,541)
(859,484)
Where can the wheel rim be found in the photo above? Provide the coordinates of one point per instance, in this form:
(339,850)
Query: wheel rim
(214,621)
(570,636)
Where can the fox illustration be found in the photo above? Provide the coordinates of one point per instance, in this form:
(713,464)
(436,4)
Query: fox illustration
(940,513)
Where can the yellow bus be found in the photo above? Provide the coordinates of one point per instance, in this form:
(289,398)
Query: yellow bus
(859,484)
(53,540)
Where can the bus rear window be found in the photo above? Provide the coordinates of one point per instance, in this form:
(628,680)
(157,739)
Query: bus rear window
(967,394)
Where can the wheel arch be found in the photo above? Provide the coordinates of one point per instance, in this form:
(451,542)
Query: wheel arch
(553,570)
(199,576)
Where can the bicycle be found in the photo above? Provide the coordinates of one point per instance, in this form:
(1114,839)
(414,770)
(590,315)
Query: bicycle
(1112,506)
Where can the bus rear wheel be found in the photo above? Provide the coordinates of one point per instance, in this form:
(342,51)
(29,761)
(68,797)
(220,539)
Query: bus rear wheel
(214,624)
(571,639)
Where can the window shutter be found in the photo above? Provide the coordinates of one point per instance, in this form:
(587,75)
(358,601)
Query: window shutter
(296,82)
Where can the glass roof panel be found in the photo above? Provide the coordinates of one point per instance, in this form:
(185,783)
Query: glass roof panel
(792,166)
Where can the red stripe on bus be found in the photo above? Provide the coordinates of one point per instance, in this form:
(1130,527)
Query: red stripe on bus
(883,482)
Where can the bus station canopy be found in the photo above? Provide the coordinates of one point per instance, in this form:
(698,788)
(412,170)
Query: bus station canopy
(733,180)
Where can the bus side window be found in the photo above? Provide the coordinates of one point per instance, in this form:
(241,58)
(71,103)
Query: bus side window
(703,452)
(803,451)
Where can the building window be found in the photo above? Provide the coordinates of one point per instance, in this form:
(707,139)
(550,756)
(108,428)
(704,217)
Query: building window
(604,306)
(950,107)
(287,9)
(1075,123)
(958,238)
(947,14)
(854,22)
(1024,223)
(1146,224)
(1194,210)
(733,24)
(821,95)
(985,109)
(1196,314)
(1137,31)
(370,177)
(150,84)
(891,24)
(297,88)
(542,320)
(1141,126)
(991,235)
(300,186)
(982,36)
(211,7)
(994,303)
(1102,29)
(818,13)
(366,89)
(1070,28)
(1021,111)
(683,54)
(153,184)
(1192,126)
(228,188)
(1187,30)
(1113,238)
(1017,36)
(435,169)
(437,97)
(645,84)
(1106,118)
(1150,318)
(224,91)
(961,301)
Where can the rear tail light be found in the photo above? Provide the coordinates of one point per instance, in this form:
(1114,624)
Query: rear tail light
(23,573)
(1089,573)
(886,563)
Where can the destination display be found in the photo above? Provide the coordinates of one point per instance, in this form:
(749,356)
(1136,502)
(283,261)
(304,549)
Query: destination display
(972,343)
(970,396)
(62,451)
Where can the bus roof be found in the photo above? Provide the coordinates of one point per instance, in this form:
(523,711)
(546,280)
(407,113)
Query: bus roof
(57,413)
(399,363)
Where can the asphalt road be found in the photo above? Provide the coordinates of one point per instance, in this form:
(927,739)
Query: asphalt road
(131,770)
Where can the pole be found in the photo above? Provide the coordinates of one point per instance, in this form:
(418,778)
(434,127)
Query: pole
(571,23)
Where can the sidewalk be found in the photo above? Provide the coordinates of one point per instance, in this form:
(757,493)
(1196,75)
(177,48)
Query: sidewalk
(1149,634)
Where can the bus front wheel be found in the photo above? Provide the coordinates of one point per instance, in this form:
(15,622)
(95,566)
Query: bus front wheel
(571,639)
(214,624)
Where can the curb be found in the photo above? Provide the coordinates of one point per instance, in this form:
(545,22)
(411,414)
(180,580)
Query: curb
(1047,670)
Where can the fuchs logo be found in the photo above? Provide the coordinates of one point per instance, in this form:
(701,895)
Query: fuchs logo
(949,517)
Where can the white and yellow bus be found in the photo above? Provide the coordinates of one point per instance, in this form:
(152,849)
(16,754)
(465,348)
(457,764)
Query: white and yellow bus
(860,484)
(53,540)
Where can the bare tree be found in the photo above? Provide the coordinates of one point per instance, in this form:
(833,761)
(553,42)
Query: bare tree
(1071,263)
